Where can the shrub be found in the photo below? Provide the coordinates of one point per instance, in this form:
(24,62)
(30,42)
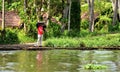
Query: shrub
(53,30)
(84,24)
(10,37)
(15,36)
(23,37)
(113,28)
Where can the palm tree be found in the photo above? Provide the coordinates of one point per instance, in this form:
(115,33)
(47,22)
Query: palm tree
(3,15)
(48,12)
(25,5)
(69,1)
(115,12)
(119,8)
(91,17)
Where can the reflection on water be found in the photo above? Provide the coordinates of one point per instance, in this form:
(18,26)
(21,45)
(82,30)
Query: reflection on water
(58,60)
(39,61)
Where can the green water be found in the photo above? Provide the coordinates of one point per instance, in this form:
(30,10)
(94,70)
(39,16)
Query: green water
(58,60)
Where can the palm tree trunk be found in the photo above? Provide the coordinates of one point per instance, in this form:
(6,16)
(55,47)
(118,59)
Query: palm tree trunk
(119,8)
(69,15)
(115,12)
(25,5)
(91,17)
(48,12)
(3,15)
(113,4)
(25,10)
(65,14)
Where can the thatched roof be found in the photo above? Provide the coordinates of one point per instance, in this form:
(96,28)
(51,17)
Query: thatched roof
(11,19)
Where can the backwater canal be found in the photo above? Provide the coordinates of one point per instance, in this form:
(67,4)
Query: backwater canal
(58,60)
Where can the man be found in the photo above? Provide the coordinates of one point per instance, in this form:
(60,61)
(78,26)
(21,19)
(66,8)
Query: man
(40,30)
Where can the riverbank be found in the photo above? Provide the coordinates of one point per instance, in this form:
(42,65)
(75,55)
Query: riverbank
(30,46)
(92,42)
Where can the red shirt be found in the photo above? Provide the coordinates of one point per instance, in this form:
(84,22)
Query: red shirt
(40,30)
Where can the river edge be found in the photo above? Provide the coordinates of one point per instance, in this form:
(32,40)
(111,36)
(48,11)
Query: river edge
(30,46)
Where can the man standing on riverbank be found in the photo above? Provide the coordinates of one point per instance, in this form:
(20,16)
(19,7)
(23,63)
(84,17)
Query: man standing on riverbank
(40,30)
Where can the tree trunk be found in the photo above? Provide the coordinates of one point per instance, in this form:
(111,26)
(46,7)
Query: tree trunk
(64,14)
(119,8)
(115,12)
(66,9)
(69,15)
(3,15)
(91,17)
(25,5)
(25,10)
(36,9)
(113,4)
(48,12)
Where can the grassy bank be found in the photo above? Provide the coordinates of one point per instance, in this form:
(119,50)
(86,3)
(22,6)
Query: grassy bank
(15,36)
(85,39)
(105,40)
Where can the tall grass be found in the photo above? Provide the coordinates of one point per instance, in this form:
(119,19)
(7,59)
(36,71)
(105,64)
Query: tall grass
(102,41)
(106,40)
(62,42)
(24,38)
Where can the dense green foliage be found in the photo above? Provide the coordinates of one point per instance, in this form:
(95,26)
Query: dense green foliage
(15,36)
(10,37)
(53,30)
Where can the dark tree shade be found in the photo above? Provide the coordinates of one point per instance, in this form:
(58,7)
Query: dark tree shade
(75,16)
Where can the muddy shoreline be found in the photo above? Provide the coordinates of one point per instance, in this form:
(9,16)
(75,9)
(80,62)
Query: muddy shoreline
(32,47)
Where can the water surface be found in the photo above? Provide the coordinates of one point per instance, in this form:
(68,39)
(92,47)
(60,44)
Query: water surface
(58,60)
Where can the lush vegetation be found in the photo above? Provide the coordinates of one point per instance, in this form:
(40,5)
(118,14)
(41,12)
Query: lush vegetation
(94,66)
(105,34)
(15,36)
(90,40)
